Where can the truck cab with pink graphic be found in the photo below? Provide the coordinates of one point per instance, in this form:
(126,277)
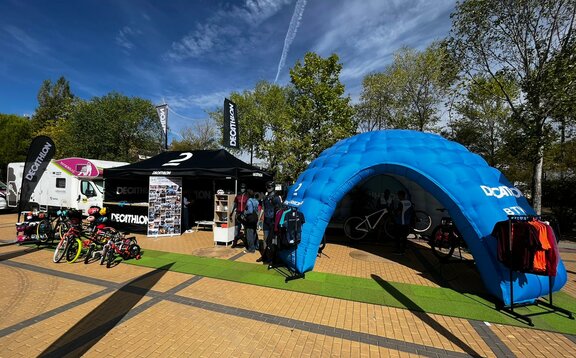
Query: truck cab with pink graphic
(67,183)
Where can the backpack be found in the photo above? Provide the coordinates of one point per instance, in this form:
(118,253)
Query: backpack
(271,204)
(252,216)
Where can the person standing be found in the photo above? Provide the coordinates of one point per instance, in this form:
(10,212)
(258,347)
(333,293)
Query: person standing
(239,207)
(403,212)
(270,205)
(251,215)
(185,214)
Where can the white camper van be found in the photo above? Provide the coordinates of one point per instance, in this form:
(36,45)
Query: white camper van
(67,183)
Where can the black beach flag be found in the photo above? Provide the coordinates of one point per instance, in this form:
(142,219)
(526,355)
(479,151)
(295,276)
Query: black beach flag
(40,153)
(231,129)
(163,116)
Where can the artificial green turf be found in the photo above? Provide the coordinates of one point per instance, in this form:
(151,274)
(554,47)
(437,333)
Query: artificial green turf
(430,300)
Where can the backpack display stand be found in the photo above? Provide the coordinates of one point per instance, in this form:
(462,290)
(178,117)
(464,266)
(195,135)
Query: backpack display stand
(510,308)
(290,233)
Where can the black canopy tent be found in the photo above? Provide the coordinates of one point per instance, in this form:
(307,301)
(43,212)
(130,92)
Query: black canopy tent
(203,172)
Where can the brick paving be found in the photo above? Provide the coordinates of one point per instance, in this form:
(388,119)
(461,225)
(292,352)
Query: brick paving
(53,309)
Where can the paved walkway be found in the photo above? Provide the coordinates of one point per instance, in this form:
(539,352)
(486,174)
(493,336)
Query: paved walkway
(76,309)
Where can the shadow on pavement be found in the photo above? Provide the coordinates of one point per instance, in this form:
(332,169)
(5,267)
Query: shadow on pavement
(14,254)
(93,327)
(419,312)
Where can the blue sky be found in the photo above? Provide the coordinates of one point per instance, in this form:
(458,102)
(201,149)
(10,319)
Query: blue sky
(192,54)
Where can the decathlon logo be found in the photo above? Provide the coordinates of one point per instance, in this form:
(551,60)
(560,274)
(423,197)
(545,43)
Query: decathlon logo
(501,191)
(130,219)
(130,190)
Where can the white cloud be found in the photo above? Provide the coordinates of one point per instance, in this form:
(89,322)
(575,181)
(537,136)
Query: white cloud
(204,101)
(225,28)
(27,42)
(365,36)
(124,37)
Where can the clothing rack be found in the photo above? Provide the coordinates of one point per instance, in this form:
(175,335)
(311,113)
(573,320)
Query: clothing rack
(510,309)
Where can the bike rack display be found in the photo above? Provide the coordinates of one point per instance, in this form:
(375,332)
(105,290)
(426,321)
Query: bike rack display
(510,308)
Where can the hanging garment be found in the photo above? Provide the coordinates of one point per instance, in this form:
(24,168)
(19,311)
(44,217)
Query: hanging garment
(552,255)
(539,233)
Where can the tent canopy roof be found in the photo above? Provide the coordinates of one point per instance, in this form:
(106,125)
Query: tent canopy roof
(198,163)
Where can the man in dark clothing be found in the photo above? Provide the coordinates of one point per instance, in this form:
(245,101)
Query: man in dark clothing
(270,205)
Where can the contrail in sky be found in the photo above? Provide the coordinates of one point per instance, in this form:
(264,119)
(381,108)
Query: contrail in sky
(292,29)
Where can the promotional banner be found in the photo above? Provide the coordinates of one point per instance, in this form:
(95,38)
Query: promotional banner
(164,206)
(163,115)
(231,129)
(40,153)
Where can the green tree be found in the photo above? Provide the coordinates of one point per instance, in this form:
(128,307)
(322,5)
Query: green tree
(519,38)
(321,114)
(16,135)
(409,93)
(483,115)
(113,127)
(202,136)
(55,102)
(263,118)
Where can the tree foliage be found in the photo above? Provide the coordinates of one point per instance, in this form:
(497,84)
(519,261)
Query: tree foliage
(55,102)
(202,136)
(16,134)
(321,114)
(482,118)
(112,127)
(409,93)
(518,38)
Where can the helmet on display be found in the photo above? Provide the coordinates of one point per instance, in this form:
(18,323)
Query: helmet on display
(91,218)
(94,210)
(103,211)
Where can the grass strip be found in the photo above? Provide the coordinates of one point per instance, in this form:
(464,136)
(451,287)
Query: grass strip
(430,300)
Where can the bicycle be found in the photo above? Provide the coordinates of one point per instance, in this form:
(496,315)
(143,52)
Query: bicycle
(120,245)
(99,238)
(50,228)
(445,238)
(356,228)
(71,237)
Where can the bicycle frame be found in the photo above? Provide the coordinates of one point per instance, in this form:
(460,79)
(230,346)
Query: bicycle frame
(369,224)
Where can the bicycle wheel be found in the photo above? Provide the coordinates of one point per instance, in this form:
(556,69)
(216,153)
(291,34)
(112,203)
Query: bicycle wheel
(43,231)
(74,250)
(442,244)
(91,251)
(389,227)
(104,254)
(60,250)
(355,228)
(110,259)
(422,221)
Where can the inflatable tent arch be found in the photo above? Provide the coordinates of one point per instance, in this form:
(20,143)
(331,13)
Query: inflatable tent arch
(476,195)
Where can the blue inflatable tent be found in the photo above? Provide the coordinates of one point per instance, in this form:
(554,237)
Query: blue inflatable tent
(476,195)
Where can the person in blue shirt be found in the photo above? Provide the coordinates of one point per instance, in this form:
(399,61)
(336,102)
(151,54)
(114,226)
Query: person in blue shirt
(250,221)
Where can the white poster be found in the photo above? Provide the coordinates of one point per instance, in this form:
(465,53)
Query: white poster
(164,206)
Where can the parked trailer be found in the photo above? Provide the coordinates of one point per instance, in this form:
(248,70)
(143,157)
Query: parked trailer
(67,183)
